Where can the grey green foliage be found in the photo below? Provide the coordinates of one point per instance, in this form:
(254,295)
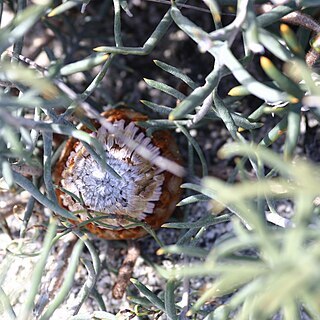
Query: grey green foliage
(282,275)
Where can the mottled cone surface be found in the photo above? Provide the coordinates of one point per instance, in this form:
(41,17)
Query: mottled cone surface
(145,192)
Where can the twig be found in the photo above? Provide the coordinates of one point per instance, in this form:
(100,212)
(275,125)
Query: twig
(202,112)
(28,62)
(27,170)
(311,57)
(306,21)
(126,270)
(300,19)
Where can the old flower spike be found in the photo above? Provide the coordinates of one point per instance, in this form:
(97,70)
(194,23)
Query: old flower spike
(144,194)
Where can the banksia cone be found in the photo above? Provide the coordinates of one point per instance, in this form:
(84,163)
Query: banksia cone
(145,192)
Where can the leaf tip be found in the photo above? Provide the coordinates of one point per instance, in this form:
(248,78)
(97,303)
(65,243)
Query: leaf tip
(265,62)
(52,13)
(160,252)
(234,92)
(189,313)
(284,28)
(293,99)
(98,49)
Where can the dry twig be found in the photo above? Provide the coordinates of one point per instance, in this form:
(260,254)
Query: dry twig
(126,270)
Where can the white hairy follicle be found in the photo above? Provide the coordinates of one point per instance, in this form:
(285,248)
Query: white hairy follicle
(133,196)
